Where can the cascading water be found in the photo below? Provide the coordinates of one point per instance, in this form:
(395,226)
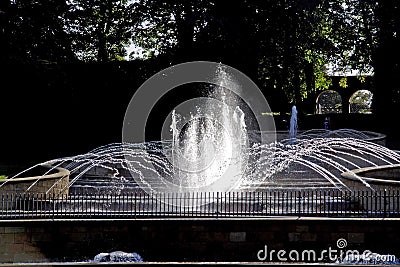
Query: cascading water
(209,149)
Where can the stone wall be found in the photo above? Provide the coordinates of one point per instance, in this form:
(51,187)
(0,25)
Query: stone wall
(191,239)
(17,245)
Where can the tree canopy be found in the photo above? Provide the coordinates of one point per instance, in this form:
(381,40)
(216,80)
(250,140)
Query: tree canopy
(286,46)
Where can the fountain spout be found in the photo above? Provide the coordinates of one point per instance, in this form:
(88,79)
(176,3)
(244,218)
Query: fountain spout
(293,123)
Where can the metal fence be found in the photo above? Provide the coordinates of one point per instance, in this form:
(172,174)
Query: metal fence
(325,203)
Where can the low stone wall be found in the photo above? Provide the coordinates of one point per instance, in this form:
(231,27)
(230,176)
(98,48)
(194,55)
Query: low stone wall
(193,240)
(55,183)
(380,177)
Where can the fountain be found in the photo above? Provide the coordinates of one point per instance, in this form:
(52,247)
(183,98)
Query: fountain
(293,123)
(212,149)
(118,256)
(208,151)
(212,146)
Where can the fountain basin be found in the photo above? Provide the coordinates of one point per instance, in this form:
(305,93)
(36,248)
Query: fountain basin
(42,179)
(375,137)
(383,179)
(380,177)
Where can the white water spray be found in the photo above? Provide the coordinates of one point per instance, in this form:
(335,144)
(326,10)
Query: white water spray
(293,123)
(210,148)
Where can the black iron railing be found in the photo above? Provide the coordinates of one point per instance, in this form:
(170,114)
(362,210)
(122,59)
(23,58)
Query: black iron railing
(199,204)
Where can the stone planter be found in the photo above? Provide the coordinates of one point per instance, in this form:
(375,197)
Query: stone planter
(42,180)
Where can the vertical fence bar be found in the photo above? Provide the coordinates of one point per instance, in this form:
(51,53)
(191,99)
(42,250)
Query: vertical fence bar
(179,199)
(364,203)
(398,203)
(164,203)
(2,207)
(144,204)
(269,201)
(149,203)
(369,195)
(173,207)
(367,198)
(38,207)
(184,194)
(311,203)
(189,207)
(169,204)
(384,203)
(138,206)
(377,199)
(7,205)
(240,201)
(218,203)
(345,203)
(272,203)
(263,203)
(246,203)
(280,203)
(206,204)
(54,206)
(298,204)
(135,202)
(340,202)
(317,198)
(364,206)
(192,204)
(235,203)
(227,204)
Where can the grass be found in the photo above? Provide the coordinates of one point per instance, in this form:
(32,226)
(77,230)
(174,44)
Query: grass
(3,177)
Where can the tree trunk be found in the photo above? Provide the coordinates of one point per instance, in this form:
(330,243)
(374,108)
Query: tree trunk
(310,85)
(102,54)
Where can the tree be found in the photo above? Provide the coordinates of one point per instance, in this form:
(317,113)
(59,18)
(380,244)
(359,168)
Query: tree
(307,37)
(284,45)
(386,58)
(198,30)
(100,29)
(292,48)
(34,30)
(169,27)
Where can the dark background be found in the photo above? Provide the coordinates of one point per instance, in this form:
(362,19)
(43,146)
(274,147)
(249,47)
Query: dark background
(55,102)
